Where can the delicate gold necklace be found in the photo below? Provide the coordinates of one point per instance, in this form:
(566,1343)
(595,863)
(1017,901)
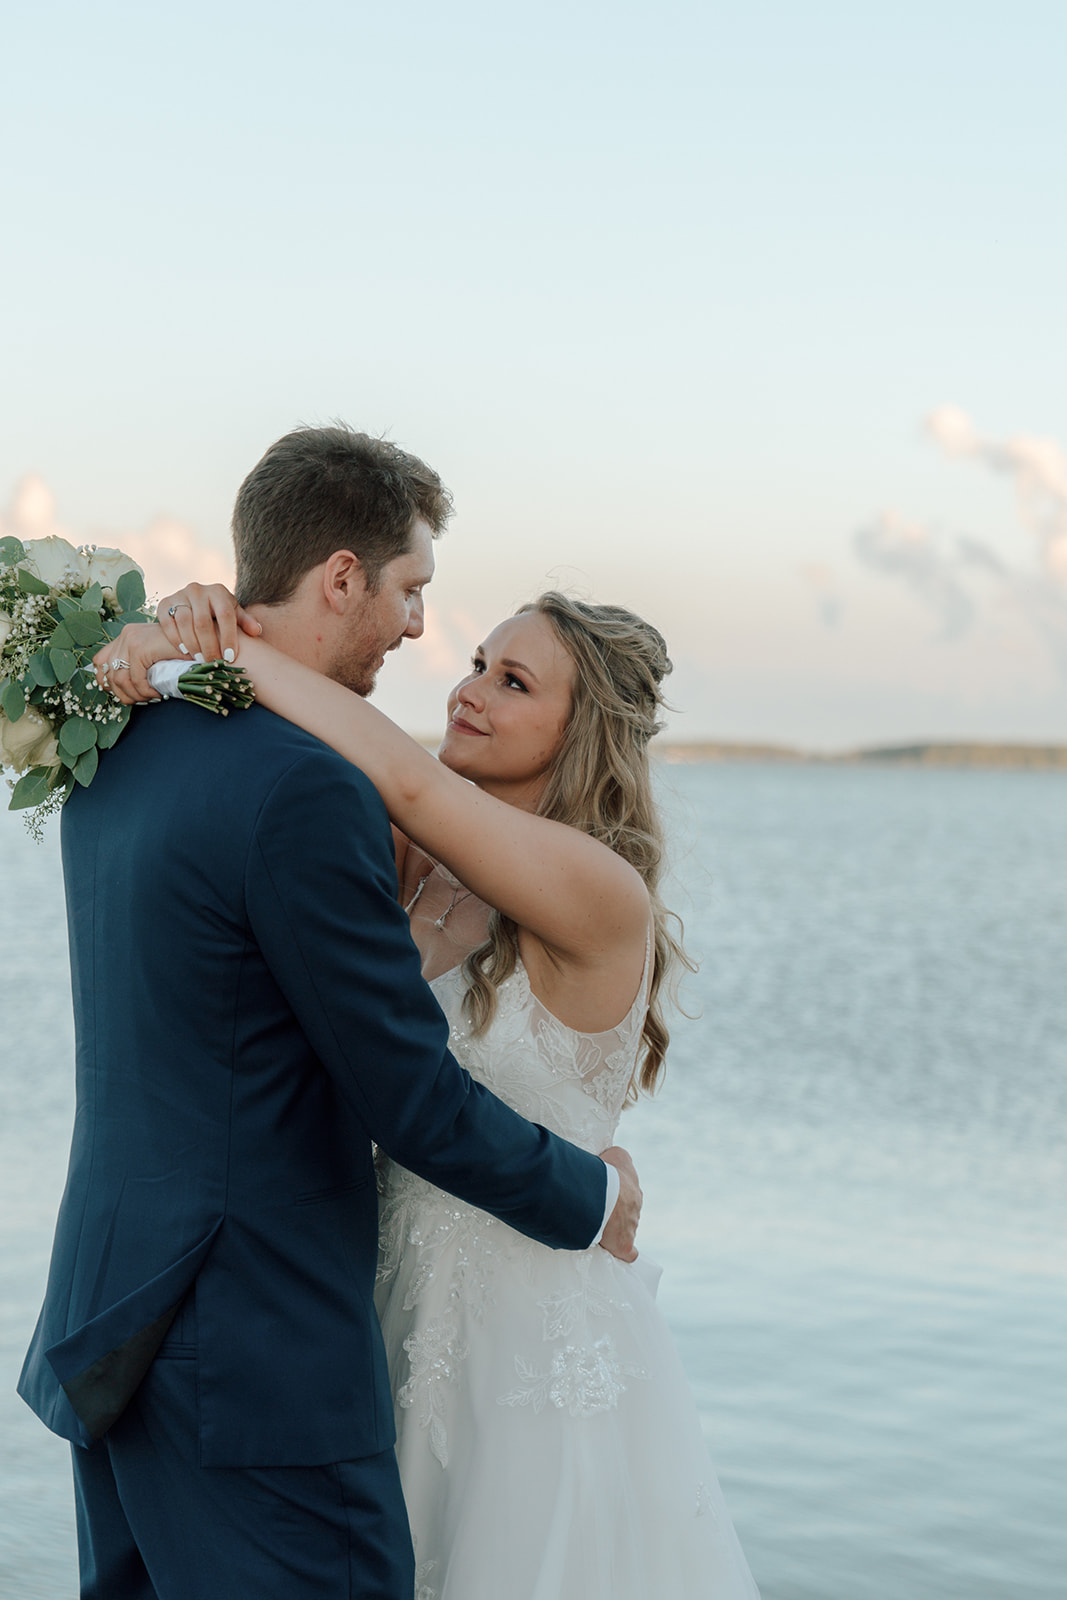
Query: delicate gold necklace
(456,900)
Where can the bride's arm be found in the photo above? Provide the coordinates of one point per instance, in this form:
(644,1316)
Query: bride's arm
(572,893)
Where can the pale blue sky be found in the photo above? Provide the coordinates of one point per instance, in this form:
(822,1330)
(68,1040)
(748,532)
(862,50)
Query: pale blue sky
(665,294)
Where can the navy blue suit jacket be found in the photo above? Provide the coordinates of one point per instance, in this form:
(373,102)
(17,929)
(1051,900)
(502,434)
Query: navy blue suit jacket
(250,1015)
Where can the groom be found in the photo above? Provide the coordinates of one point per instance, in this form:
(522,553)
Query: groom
(250,1016)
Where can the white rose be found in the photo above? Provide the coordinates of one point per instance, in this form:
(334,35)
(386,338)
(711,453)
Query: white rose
(106,567)
(5,628)
(27,743)
(52,558)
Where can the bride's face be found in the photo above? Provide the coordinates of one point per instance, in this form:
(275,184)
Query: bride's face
(507,717)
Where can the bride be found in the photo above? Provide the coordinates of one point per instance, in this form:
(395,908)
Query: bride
(548,1445)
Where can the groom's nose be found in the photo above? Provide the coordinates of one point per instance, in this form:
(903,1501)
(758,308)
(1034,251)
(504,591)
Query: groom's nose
(416,618)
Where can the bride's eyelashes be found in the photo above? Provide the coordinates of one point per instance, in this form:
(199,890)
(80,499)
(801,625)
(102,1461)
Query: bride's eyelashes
(478,668)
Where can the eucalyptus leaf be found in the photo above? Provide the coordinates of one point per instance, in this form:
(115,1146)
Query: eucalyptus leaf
(137,618)
(41,670)
(29,582)
(113,626)
(13,701)
(93,598)
(85,767)
(76,736)
(85,628)
(11,550)
(62,639)
(65,605)
(107,733)
(64,664)
(31,789)
(130,591)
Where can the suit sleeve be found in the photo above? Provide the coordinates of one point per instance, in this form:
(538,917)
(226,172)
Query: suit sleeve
(320,887)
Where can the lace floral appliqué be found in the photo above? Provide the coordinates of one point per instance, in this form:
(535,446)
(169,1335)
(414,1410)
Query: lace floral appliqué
(566,1308)
(581,1381)
(423,1590)
(435,1355)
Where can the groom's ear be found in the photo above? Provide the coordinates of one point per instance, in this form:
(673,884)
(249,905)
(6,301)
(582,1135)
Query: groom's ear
(344,581)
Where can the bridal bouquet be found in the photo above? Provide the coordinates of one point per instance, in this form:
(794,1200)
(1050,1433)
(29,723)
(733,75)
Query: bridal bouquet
(58,605)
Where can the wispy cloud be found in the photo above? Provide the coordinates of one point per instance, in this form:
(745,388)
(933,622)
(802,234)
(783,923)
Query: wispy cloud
(942,571)
(822,582)
(908,551)
(169,551)
(1039,469)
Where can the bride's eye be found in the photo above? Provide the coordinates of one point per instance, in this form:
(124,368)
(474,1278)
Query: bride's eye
(513,682)
(477,664)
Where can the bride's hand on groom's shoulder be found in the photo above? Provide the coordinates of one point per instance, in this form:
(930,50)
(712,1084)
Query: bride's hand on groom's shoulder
(201,619)
(619,1234)
(205,619)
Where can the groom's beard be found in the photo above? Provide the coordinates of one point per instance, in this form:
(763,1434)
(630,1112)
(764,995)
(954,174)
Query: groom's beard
(354,671)
(361,682)
(360,652)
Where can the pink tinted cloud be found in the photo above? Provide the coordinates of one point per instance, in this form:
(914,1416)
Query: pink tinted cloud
(168,551)
(171,553)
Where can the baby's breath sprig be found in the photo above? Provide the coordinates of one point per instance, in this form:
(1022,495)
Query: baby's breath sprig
(58,605)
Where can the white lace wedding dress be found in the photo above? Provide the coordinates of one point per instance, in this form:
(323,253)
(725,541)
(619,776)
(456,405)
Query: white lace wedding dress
(548,1443)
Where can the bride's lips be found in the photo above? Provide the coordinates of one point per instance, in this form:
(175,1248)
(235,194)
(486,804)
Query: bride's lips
(465,727)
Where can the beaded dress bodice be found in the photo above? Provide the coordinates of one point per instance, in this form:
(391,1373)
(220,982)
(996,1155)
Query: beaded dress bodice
(574,1083)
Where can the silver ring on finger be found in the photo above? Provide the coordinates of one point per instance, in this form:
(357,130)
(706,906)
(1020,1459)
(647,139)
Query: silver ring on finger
(118,665)
(177,607)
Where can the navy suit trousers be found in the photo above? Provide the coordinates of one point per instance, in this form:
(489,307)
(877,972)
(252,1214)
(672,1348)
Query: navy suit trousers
(155,1525)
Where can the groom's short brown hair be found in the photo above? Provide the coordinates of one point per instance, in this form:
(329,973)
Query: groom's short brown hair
(318,490)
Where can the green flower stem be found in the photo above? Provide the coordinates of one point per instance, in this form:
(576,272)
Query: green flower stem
(215,686)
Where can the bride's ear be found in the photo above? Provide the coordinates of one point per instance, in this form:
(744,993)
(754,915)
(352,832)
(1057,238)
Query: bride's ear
(344,580)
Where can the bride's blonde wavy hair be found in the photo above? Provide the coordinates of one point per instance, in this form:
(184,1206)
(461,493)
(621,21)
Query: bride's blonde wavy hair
(600,782)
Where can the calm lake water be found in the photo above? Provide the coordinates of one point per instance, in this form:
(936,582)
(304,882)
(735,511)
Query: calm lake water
(855,1176)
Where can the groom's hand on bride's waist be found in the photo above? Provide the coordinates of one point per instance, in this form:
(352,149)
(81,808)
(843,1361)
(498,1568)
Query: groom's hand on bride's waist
(621,1226)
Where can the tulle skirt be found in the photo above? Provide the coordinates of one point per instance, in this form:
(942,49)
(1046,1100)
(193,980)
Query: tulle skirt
(548,1442)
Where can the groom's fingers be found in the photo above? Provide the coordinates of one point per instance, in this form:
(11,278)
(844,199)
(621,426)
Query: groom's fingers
(621,1230)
